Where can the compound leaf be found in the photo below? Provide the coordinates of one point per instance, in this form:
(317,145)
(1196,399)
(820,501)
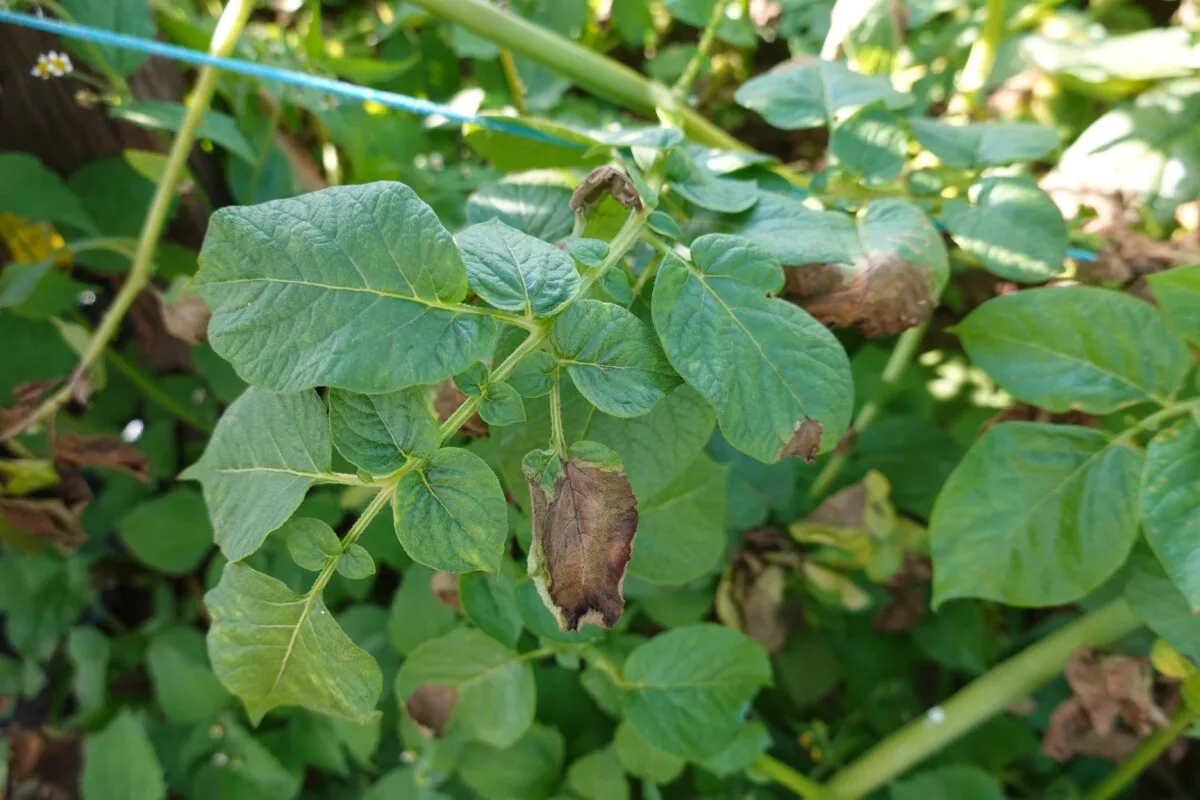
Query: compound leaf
(450,514)
(266,451)
(272,647)
(687,687)
(1035,515)
(778,379)
(357,287)
(1075,347)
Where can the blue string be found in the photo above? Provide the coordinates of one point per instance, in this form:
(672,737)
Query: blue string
(402,102)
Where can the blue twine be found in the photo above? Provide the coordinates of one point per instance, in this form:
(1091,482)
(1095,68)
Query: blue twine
(401,102)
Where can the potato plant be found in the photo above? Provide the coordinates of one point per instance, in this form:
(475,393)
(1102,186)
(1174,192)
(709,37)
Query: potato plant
(825,428)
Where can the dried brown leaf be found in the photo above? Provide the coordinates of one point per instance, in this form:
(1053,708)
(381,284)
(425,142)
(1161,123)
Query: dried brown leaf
(26,397)
(101,451)
(804,442)
(430,706)
(603,180)
(445,589)
(186,318)
(48,519)
(884,297)
(156,347)
(584,520)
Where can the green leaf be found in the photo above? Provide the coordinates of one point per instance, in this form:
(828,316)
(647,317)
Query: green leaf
(185,687)
(612,357)
(1012,227)
(871,144)
(983,144)
(450,514)
(272,647)
(1170,500)
(128,17)
(89,651)
(751,741)
(119,763)
(472,380)
(1178,292)
(402,782)
(951,782)
(512,152)
(779,380)
(814,94)
(496,692)
(1035,515)
(357,287)
(489,601)
(41,598)
(161,116)
(738,32)
(1148,149)
(514,271)
(378,432)
(528,770)
(1075,347)
(700,187)
(169,533)
(417,616)
(536,203)
(264,455)
(534,374)
(501,404)
(356,563)
(29,190)
(310,542)
(598,776)
(687,687)
(681,530)
(1160,605)
(643,760)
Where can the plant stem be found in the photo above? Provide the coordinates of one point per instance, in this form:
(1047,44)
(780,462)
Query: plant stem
(684,84)
(799,784)
(381,499)
(980,61)
(154,394)
(593,71)
(981,700)
(902,355)
(1145,755)
(515,86)
(229,26)
(557,435)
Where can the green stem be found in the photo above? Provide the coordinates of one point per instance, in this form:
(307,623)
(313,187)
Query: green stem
(1145,755)
(981,700)
(902,354)
(591,70)
(381,499)
(154,394)
(229,26)
(799,784)
(981,60)
(557,434)
(515,86)
(684,84)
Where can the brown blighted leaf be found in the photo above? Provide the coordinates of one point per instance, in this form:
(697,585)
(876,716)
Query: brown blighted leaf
(26,398)
(804,442)
(184,314)
(445,589)
(883,297)
(48,519)
(908,591)
(101,451)
(446,400)
(430,706)
(156,347)
(584,520)
(1022,412)
(1112,710)
(605,179)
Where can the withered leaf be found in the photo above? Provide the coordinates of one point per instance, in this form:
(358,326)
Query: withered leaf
(605,179)
(445,589)
(430,706)
(185,317)
(26,397)
(48,519)
(584,520)
(882,297)
(804,442)
(101,451)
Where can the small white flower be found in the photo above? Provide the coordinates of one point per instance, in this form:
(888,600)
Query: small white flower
(42,69)
(60,63)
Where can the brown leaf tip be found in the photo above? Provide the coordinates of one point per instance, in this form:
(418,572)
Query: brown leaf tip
(583,537)
(805,441)
(430,706)
(605,179)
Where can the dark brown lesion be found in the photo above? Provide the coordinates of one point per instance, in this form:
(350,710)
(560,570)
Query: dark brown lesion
(883,297)
(805,442)
(603,180)
(430,706)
